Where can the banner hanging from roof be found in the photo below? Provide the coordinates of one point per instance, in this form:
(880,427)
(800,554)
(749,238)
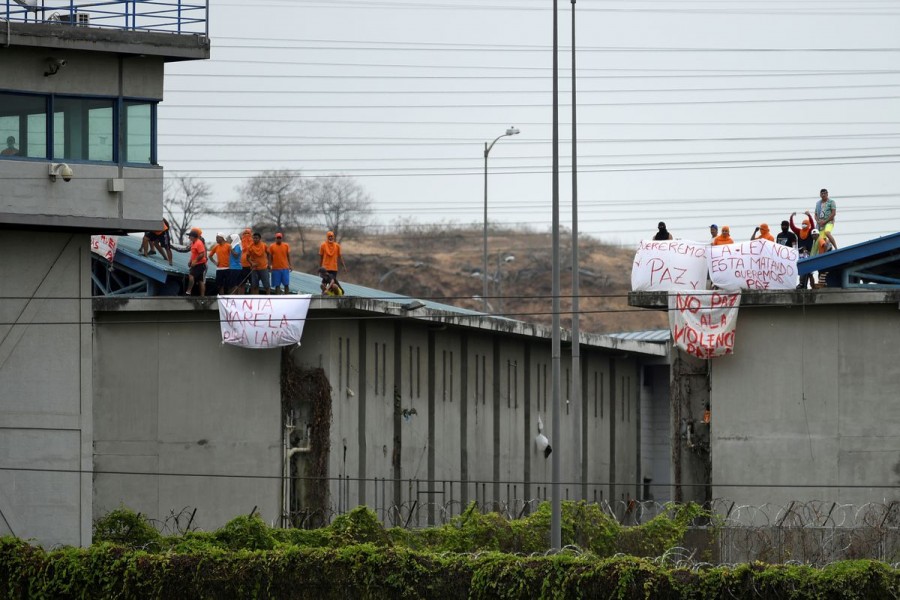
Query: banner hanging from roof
(105,246)
(262,321)
(703,323)
(669,265)
(756,265)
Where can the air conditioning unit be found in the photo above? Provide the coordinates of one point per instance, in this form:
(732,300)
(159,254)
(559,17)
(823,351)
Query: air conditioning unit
(79,18)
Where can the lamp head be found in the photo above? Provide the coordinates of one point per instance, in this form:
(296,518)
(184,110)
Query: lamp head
(512,131)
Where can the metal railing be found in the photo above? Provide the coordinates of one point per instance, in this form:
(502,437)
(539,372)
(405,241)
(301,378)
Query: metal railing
(168,16)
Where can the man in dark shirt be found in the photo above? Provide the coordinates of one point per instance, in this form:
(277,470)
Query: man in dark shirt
(662,233)
(786,237)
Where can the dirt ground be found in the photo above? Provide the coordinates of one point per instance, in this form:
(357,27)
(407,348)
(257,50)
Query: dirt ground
(444,264)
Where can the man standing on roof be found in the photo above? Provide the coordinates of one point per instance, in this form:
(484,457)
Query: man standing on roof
(196,264)
(220,254)
(662,233)
(330,254)
(281,265)
(825,212)
(246,242)
(805,242)
(786,237)
(259,259)
(234,265)
(724,237)
(762,233)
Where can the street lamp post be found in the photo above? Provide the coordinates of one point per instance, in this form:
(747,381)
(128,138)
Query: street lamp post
(484,266)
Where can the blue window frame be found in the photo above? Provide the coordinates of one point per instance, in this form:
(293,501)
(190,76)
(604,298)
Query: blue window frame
(78,128)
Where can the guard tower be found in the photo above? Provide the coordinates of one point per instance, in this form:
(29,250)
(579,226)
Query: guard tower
(80,85)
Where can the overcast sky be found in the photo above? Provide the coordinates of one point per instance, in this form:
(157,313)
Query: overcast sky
(728,111)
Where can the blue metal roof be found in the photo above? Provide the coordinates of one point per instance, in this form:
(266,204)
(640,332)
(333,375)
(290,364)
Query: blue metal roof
(156,268)
(872,263)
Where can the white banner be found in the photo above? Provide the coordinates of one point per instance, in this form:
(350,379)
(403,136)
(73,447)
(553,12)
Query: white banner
(703,323)
(104,245)
(262,321)
(756,265)
(669,265)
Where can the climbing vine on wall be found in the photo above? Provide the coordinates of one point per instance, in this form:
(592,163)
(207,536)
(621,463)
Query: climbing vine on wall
(310,387)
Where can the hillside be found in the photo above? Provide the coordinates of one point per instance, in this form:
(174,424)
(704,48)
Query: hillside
(444,264)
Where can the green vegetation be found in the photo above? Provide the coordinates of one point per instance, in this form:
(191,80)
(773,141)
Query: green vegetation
(474,556)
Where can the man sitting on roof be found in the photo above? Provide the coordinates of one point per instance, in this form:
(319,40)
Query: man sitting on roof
(330,285)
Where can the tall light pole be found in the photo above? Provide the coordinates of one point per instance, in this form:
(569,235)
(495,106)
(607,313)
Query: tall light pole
(555,497)
(577,458)
(484,267)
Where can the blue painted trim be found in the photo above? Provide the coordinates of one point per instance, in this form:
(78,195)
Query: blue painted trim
(844,257)
(143,267)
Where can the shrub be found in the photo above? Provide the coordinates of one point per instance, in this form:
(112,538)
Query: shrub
(124,527)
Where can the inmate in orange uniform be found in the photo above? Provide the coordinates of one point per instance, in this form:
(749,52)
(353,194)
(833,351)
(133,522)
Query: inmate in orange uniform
(330,254)
(281,265)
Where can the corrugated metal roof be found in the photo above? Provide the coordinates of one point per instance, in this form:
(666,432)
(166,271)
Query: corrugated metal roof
(301,283)
(655,336)
(874,263)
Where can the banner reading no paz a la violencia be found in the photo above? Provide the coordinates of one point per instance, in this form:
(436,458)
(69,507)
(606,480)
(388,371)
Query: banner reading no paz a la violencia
(704,323)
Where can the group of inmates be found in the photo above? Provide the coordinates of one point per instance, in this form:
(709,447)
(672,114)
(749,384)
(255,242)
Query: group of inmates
(813,236)
(243,262)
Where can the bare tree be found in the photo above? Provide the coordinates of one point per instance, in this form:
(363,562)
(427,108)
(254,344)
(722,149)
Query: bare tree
(184,199)
(272,198)
(341,204)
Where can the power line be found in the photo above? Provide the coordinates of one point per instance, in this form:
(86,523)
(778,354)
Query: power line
(581,91)
(450,159)
(493,123)
(403,46)
(640,73)
(445,141)
(292,107)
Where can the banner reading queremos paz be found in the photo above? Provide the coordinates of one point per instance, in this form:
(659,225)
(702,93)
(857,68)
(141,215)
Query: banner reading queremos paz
(756,265)
(262,321)
(669,265)
(703,323)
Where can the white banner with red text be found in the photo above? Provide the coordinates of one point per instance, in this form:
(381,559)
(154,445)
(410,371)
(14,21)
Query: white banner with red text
(756,265)
(669,265)
(105,246)
(703,323)
(262,321)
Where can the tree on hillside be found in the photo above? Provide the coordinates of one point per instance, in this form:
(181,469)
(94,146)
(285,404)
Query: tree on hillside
(340,204)
(272,198)
(184,199)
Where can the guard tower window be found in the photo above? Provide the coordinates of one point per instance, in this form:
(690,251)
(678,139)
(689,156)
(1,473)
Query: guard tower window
(42,126)
(138,124)
(24,119)
(83,129)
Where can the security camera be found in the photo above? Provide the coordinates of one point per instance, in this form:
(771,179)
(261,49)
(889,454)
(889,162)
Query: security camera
(61,170)
(54,65)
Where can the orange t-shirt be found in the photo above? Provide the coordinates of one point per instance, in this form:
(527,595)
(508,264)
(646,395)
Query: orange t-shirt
(722,239)
(246,242)
(222,252)
(198,253)
(280,254)
(330,253)
(256,257)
